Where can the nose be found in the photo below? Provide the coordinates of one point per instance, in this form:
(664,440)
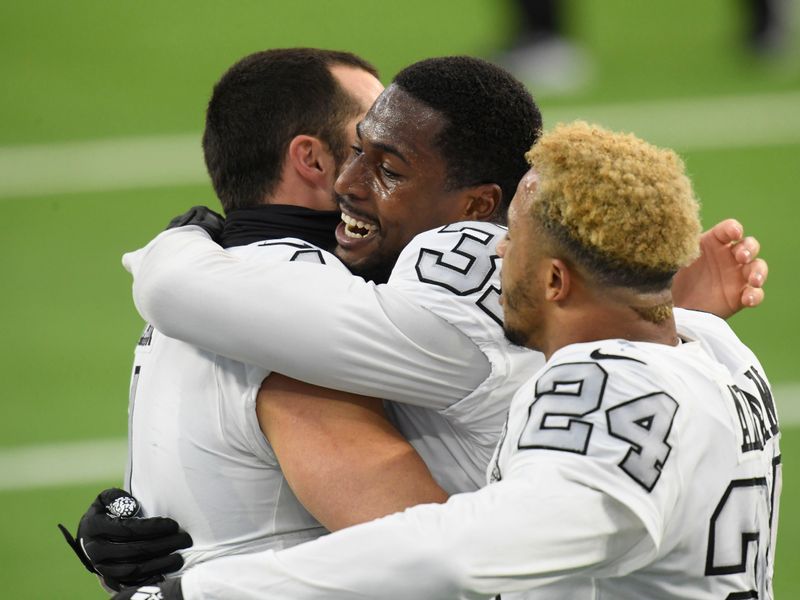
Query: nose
(350,181)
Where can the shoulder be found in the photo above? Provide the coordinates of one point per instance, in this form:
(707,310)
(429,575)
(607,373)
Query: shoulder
(717,338)
(454,271)
(693,323)
(458,257)
(598,375)
(286,250)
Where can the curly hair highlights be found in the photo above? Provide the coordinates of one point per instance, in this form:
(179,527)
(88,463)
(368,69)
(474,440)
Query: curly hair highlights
(492,120)
(622,207)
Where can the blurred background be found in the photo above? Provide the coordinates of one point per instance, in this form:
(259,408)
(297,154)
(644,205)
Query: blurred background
(101,109)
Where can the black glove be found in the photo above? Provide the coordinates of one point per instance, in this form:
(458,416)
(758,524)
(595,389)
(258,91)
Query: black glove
(169,590)
(123,549)
(202,216)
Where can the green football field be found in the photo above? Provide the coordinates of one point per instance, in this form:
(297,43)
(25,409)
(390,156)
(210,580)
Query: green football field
(100,113)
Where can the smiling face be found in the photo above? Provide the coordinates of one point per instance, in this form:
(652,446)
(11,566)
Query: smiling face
(394,185)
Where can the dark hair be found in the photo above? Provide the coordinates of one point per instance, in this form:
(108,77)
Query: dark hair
(260,104)
(492,120)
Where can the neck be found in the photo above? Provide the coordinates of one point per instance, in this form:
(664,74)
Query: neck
(245,226)
(615,316)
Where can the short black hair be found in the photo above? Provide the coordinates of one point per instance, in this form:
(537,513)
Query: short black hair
(260,104)
(492,120)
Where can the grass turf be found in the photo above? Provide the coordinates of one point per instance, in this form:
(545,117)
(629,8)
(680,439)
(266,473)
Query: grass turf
(83,70)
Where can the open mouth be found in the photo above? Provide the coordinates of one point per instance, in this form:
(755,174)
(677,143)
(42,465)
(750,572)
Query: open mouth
(354,228)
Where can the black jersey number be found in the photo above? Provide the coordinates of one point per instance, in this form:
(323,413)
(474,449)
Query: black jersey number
(568,393)
(741,533)
(468,267)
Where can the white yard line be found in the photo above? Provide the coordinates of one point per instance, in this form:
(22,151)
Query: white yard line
(176,160)
(101,165)
(699,123)
(56,465)
(103,461)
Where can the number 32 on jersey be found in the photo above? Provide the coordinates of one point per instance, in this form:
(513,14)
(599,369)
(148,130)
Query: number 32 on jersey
(470,267)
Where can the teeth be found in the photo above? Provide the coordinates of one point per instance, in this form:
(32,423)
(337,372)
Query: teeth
(355,223)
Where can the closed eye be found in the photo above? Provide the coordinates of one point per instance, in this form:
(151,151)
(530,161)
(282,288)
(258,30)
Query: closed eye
(389,173)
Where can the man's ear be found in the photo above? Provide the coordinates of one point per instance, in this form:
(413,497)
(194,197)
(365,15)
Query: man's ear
(558,283)
(311,159)
(483,201)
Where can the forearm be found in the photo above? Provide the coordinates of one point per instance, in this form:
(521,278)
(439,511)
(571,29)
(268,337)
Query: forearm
(507,537)
(342,458)
(308,321)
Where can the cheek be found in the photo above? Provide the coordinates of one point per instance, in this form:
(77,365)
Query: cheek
(398,209)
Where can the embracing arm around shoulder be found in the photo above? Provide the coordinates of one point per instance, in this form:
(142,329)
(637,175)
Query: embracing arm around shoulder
(510,536)
(342,458)
(312,322)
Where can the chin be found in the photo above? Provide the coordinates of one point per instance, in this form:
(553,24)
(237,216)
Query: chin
(515,336)
(369,269)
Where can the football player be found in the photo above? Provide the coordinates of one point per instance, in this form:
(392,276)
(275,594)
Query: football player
(422,140)
(632,465)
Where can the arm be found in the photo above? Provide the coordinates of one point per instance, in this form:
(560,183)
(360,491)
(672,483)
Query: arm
(343,460)
(510,536)
(311,322)
(727,277)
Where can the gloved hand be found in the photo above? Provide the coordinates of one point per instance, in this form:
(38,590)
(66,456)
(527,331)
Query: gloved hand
(126,550)
(169,590)
(202,216)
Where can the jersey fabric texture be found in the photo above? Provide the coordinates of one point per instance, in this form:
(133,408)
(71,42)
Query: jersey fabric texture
(627,470)
(196,451)
(454,273)
(430,339)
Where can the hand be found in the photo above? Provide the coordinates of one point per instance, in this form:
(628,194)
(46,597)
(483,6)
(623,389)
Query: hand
(169,590)
(122,548)
(202,216)
(727,277)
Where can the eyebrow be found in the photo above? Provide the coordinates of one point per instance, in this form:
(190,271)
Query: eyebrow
(388,148)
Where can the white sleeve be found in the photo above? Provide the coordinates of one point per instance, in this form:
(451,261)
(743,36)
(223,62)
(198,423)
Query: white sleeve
(511,536)
(312,322)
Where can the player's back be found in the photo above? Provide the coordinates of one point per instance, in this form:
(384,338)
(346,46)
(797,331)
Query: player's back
(719,542)
(197,453)
(454,272)
(690,449)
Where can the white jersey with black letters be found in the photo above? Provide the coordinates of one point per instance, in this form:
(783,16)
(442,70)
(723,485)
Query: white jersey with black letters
(627,470)
(197,453)
(430,339)
(453,271)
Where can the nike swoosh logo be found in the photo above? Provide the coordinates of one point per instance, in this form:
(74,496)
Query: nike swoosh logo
(597,355)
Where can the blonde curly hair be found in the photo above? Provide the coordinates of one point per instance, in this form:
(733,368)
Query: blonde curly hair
(624,208)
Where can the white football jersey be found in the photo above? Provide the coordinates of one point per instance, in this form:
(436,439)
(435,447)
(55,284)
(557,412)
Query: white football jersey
(430,339)
(196,451)
(454,272)
(627,470)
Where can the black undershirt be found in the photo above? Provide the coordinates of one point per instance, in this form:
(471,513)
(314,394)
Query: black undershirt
(244,226)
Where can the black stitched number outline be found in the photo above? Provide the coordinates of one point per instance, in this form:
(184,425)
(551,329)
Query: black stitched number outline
(564,394)
(305,252)
(735,528)
(467,268)
(569,392)
(144,342)
(645,424)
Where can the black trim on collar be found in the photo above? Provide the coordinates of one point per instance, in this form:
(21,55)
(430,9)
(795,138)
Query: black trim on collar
(244,226)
